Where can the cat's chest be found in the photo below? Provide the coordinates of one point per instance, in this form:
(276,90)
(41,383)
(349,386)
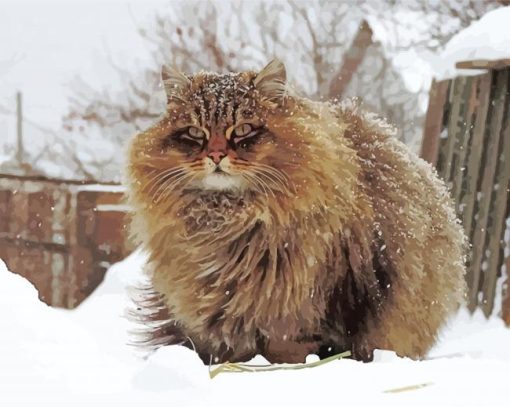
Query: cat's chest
(212,212)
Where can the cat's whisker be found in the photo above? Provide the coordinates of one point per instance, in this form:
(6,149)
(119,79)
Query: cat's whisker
(161,176)
(162,191)
(155,175)
(171,187)
(156,178)
(287,183)
(250,182)
(272,178)
(274,175)
(278,172)
(262,183)
(168,181)
(165,172)
(245,163)
(171,173)
(267,180)
(165,181)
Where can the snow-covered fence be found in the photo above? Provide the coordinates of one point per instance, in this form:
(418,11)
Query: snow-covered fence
(467,137)
(61,235)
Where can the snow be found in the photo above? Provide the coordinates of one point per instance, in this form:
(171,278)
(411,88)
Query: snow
(53,357)
(487,38)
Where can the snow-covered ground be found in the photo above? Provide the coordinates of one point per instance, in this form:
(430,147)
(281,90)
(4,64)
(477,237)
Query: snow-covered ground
(52,357)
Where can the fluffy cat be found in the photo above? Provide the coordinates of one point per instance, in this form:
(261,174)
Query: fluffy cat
(281,226)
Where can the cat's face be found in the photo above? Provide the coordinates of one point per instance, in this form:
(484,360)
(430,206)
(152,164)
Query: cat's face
(218,135)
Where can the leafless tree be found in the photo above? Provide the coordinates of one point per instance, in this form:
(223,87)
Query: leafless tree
(313,37)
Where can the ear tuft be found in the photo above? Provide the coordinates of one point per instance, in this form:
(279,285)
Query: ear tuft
(175,83)
(271,82)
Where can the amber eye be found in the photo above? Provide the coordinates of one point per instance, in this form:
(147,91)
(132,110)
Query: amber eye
(244,134)
(192,134)
(243,130)
(195,132)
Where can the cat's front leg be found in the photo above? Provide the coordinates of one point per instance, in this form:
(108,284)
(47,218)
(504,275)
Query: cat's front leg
(287,351)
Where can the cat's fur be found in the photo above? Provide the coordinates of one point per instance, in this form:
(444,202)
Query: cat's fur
(326,234)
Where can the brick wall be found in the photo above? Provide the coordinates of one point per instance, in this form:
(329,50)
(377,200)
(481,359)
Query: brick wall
(61,235)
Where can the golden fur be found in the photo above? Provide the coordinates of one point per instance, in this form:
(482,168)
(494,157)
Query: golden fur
(333,236)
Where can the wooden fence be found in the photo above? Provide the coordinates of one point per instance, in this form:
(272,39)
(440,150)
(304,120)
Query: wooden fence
(467,137)
(61,235)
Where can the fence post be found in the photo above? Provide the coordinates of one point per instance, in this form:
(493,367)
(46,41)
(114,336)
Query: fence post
(463,140)
(19,128)
(434,121)
(487,186)
(472,173)
(498,213)
(458,91)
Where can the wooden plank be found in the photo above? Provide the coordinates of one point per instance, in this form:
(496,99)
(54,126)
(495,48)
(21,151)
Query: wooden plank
(40,216)
(443,136)
(484,64)
(453,125)
(5,210)
(434,121)
(505,308)
(463,138)
(54,180)
(110,236)
(351,60)
(85,276)
(18,217)
(58,287)
(60,218)
(505,300)
(110,198)
(480,231)
(29,244)
(468,198)
(71,281)
(86,203)
(498,216)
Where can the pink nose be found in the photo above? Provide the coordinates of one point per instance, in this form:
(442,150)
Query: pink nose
(216,156)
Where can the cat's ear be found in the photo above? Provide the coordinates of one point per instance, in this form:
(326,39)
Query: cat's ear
(271,82)
(175,83)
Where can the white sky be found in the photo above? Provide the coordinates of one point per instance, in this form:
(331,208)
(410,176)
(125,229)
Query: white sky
(53,41)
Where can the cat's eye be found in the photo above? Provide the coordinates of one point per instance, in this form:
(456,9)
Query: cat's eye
(192,134)
(195,132)
(245,133)
(243,130)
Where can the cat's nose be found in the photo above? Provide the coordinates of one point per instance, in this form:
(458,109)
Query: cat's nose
(216,156)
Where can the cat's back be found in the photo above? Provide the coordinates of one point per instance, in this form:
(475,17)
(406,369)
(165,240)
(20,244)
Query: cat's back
(403,188)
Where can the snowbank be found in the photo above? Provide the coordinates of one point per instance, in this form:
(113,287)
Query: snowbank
(45,351)
(54,357)
(487,38)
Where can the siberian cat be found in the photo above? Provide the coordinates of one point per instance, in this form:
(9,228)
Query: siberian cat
(281,226)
